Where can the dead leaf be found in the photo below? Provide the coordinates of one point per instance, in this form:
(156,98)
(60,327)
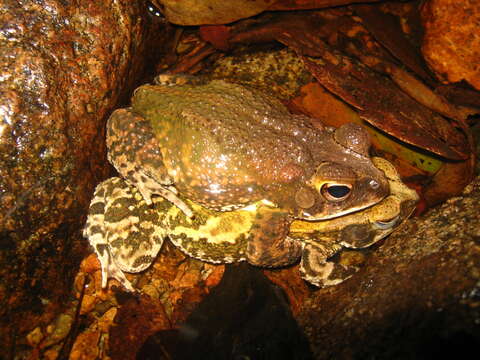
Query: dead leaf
(379,102)
(190,62)
(217,35)
(424,95)
(310,4)
(462,96)
(449,181)
(412,175)
(209,12)
(320,105)
(386,29)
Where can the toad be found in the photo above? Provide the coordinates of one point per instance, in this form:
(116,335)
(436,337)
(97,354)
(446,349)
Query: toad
(225,147)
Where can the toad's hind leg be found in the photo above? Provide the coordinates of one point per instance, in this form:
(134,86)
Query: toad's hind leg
(124,231)
(135,153)
(315,268)
(269,245)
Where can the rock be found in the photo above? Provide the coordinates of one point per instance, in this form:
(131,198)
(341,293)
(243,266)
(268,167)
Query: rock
(63,67)
(451,44)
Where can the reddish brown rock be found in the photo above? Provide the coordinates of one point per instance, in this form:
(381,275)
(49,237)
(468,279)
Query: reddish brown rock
(451,45)
(63,67)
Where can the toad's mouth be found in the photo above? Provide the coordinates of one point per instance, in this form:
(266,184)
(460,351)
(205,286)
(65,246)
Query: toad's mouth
(386,225)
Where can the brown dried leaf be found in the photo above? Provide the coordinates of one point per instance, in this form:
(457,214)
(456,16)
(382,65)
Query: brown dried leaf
(190,62)
(387,31)
(215,12)
(420,92)
(467,99)
(449,181)
(377,99)
(209,12)
(320,105)
(311,4)
(383,105)
(217,35)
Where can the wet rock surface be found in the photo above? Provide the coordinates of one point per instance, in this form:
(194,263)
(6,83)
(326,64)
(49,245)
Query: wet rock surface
(452,39)
(417,297)
(63,67)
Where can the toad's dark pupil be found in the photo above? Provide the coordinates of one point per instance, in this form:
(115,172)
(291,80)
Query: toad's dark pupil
(338,191)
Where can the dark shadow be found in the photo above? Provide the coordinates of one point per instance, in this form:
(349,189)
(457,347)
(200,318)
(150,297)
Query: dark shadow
(244,317)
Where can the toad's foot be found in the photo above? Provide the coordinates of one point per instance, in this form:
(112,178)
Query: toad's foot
(167,192)
(269,245)
(124,231)
(96,238)
(315,268)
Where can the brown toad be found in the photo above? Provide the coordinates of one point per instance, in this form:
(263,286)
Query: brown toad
(226,146)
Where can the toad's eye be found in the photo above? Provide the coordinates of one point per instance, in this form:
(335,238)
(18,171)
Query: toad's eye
(336,192)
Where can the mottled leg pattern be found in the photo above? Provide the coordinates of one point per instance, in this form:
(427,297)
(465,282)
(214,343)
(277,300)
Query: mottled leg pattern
(124,231)
(315,268)
(270,246)
(94,231)
(135,153)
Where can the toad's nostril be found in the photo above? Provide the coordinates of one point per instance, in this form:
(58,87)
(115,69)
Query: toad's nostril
(374,184)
